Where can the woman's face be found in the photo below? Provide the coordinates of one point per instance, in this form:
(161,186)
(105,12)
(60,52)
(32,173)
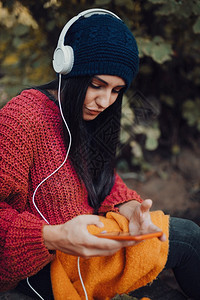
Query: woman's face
(101,93)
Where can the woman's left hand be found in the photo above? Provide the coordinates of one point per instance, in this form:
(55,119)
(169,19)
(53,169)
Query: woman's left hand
(139,217)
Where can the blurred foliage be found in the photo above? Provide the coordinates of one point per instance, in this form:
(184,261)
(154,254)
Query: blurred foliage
(191,112)
(168,36)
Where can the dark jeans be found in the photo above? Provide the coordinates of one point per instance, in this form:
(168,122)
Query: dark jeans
(183,258)
(184,255)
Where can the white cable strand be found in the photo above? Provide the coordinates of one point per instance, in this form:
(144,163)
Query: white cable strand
(79,273)
(27,279)
(33,198)
(69,146)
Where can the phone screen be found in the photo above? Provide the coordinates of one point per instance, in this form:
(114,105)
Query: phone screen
(126,236)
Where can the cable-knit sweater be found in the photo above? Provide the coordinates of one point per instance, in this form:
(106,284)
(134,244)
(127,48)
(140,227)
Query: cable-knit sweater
(32,147)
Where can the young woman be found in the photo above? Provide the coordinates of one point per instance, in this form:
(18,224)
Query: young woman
(58,148)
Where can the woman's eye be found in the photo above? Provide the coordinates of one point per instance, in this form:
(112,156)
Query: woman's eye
(94,86)
(117,91)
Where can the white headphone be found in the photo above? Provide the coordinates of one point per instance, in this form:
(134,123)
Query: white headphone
(63,57)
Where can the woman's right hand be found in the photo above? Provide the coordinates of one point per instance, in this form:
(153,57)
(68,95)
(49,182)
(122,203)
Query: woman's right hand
(73,238)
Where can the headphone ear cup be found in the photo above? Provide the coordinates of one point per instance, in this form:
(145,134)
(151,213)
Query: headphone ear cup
(63,59)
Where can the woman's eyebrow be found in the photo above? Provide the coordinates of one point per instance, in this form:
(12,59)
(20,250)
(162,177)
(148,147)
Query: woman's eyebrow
(123,85)
(101,80)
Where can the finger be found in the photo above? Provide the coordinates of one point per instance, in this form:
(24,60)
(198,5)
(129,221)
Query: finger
(92,220)
(146,205)
(131,243)
(134,228)
(151,228)
(163,238)
(154,228)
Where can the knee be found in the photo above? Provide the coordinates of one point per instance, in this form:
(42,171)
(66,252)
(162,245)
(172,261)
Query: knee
(185,231)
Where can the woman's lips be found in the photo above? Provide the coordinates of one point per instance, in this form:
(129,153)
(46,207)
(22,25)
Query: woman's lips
(93,111)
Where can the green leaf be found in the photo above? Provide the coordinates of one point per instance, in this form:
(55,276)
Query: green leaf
(136,149)
(151,143)
(50,25)
(168,100)
(159,50)
(124,136)
(21,30)
(17,41)
(196,7)
(196,26)
(176,149)
(191,112)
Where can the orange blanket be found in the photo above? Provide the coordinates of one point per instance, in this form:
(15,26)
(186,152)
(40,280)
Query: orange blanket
(104,277)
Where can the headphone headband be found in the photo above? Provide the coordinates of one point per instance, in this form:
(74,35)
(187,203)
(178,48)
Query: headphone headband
(63,58)
(86,13)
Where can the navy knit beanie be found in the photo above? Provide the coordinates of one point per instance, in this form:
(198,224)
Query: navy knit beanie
(103,45)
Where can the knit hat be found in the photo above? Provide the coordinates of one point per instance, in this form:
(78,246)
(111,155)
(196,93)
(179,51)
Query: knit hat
(103,45)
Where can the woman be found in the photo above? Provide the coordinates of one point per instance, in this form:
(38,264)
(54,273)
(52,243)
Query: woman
(52,187)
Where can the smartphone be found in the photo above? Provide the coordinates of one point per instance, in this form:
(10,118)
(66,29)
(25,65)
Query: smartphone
(126,236)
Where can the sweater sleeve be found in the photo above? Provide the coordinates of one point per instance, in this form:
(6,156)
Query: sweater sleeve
(22,250)
(120,193)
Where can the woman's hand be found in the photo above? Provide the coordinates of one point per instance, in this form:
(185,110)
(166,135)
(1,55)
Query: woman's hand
(139,217)
(73,238)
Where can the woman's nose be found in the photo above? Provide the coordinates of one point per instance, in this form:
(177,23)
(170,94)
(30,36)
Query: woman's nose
(104,99)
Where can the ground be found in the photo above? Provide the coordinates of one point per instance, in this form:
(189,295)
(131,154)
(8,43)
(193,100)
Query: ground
(174,187)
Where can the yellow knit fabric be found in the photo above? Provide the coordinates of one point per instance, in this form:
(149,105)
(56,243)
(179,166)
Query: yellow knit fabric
(104,277)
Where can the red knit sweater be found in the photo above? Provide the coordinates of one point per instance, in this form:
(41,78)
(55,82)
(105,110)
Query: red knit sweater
(32,147)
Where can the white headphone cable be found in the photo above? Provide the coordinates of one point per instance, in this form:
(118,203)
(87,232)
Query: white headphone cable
(27,280)
(33,198)
(69,146)
(79,273)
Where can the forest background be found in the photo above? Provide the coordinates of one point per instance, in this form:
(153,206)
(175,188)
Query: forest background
(160,156)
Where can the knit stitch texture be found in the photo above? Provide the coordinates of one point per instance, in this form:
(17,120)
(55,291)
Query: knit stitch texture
(32,147)
(103,44)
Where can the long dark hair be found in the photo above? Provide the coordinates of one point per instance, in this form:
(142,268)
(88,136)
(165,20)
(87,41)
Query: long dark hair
(94,143)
